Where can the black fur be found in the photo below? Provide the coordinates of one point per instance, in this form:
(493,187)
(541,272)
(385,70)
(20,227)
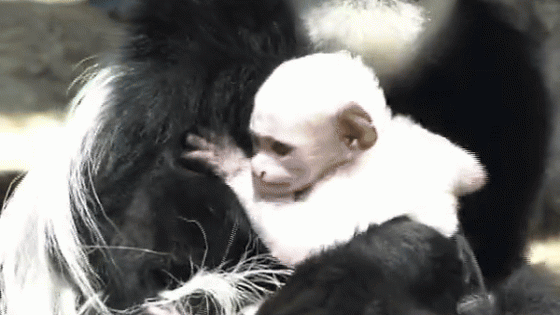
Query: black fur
(398,267)
(402,267)
(8,182)
(186,64)
(529,290)
(480,87)
(173,214)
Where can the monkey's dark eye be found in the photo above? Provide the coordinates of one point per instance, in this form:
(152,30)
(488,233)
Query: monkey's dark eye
(281,149)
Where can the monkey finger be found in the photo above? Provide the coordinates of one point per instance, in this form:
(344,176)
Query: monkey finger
(199,143)
(207,156)
(203,162)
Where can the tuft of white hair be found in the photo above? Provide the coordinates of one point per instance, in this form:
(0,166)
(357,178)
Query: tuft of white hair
(235,291)
(389,34)
(372,28)
(38,237)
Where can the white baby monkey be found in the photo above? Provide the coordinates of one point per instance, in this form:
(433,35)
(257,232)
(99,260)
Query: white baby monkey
(330,159)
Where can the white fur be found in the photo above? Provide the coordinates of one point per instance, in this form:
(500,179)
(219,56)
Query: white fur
(37,223)
(235,291)
(387,33)
(409,170)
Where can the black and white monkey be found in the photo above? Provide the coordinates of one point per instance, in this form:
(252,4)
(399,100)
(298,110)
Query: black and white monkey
(114,220)
(325,139)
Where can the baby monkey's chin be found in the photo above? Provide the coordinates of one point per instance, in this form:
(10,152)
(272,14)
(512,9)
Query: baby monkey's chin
(276,191)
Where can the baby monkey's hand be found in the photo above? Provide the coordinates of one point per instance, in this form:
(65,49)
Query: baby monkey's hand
(217,152)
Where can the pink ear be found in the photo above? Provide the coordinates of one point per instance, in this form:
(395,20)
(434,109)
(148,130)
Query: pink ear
(353,123)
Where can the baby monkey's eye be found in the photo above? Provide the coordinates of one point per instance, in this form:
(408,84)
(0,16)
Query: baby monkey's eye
(257,144)
(281,149)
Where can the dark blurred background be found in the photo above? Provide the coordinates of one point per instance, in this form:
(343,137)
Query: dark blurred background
(45,45)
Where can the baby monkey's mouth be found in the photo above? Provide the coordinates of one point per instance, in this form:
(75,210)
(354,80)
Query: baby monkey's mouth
(279,190)
(264,188)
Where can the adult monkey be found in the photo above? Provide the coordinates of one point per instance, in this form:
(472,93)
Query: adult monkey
(121,224)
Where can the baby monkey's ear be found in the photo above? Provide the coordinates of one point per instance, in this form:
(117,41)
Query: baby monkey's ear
(354,127)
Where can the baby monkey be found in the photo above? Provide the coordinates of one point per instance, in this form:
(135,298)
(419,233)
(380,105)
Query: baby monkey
(331,159)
